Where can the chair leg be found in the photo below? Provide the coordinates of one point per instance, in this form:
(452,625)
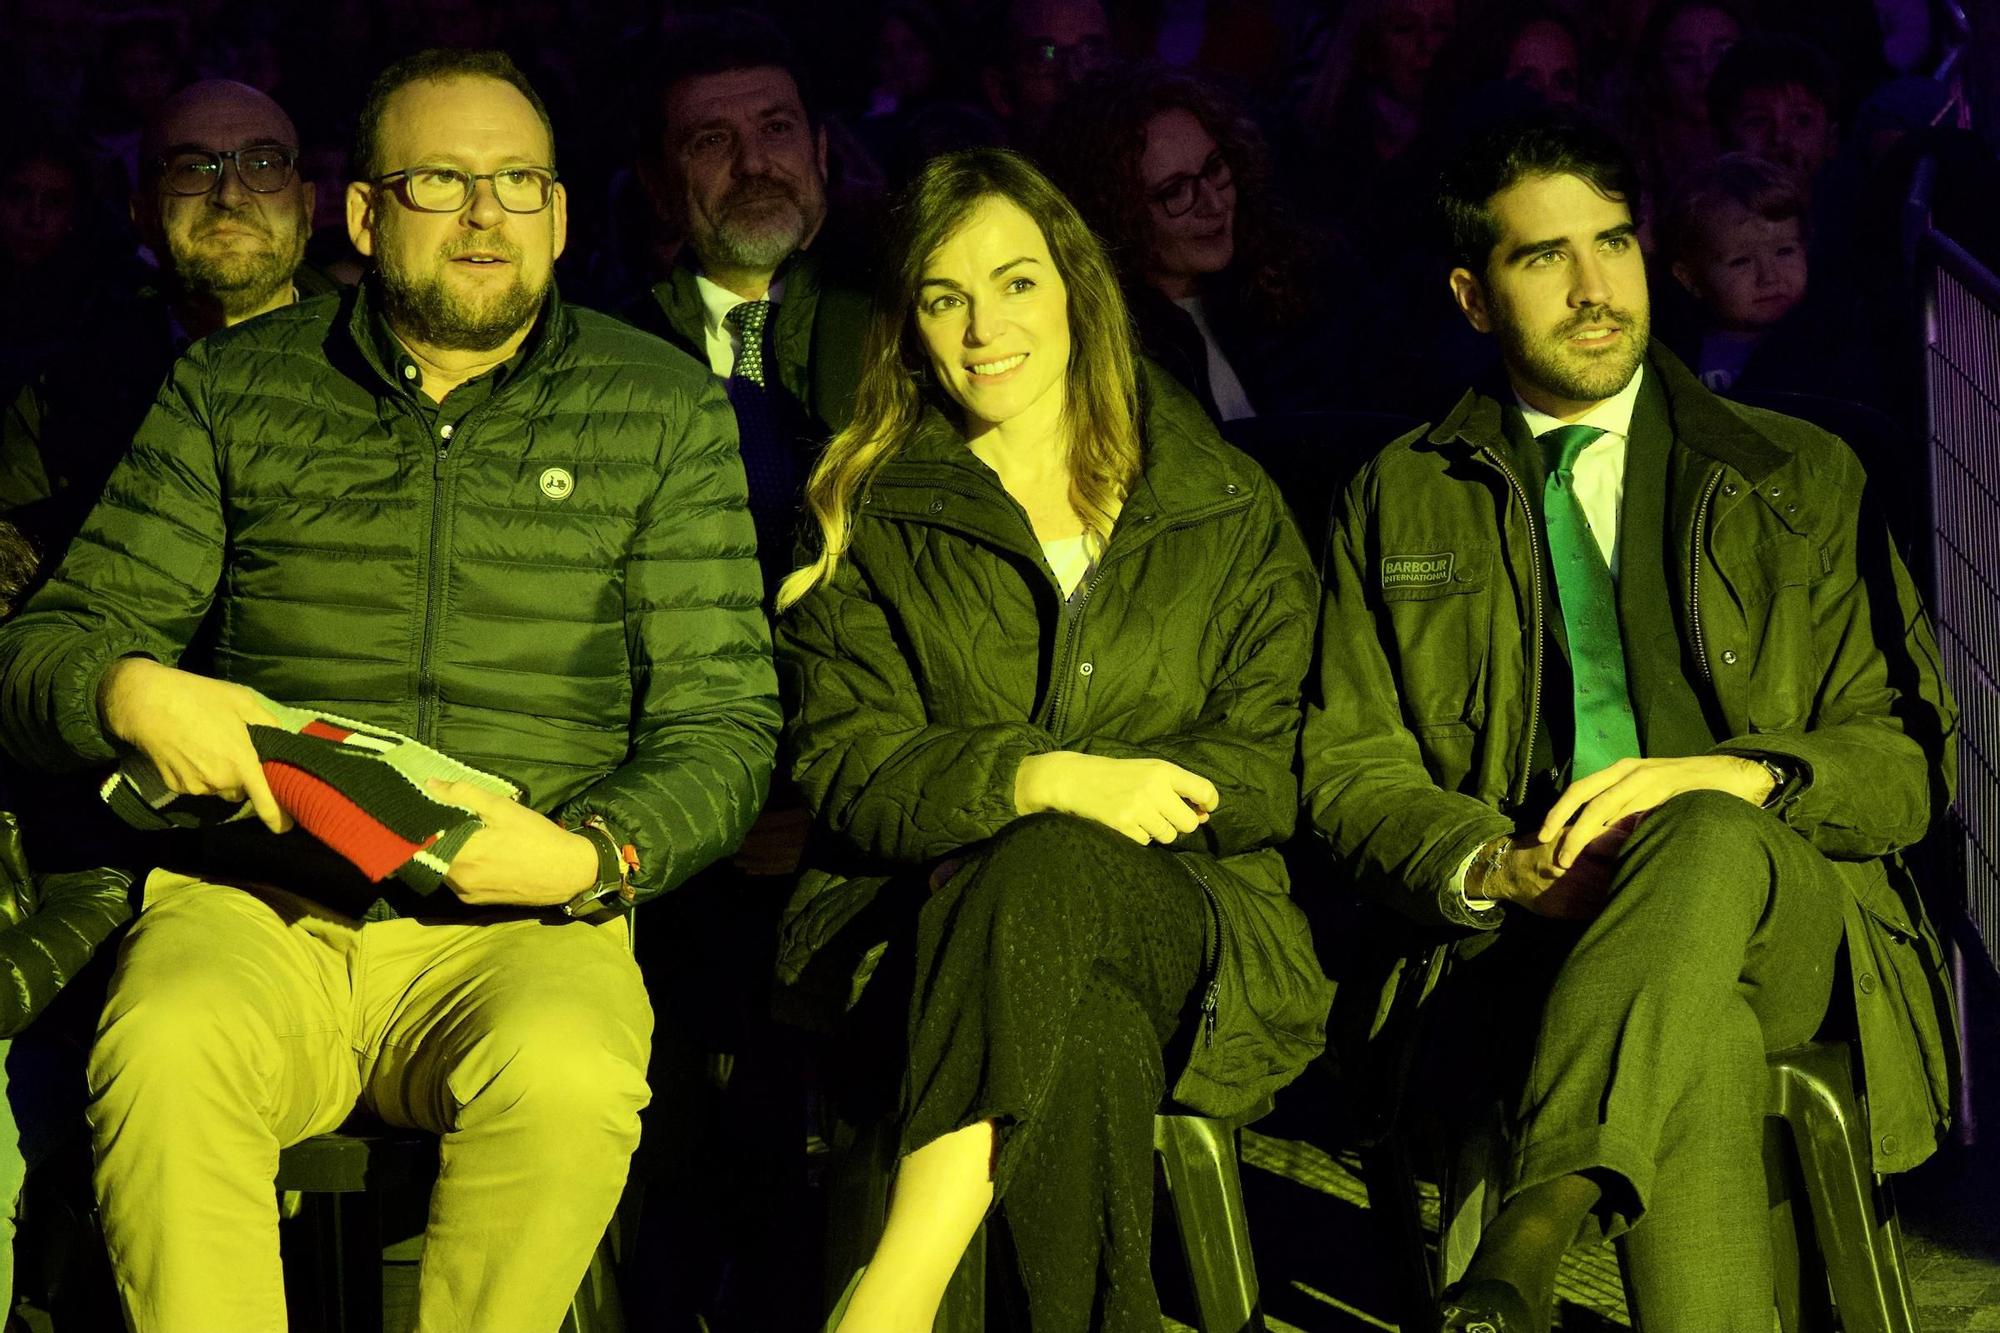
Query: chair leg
(1854,1217)
(1206,1190)
(595,1308)
(1393,1198)
(357,1231)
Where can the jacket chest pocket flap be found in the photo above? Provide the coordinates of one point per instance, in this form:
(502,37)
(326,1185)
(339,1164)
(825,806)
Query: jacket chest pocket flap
(1439,626)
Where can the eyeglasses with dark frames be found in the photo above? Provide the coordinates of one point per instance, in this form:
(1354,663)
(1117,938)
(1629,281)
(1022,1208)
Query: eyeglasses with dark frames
(442,189)
(1177,195)
(263,168)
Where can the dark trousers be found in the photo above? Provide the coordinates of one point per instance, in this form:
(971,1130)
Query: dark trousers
(1718,945)
(1050,971)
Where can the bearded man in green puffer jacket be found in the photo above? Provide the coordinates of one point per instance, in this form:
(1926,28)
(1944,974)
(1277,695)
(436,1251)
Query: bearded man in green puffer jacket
(448,505)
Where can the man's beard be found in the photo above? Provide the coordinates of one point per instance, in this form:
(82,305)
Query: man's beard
(1556,366)
(240,281)
(427,309)
(760,222)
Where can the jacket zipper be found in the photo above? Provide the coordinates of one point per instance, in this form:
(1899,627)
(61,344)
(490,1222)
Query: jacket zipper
(1211,965)
(426,686)
(1072,617)
(1694,579)
(1536,631)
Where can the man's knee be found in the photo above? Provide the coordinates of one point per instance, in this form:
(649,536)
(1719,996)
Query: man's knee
(1709,821)
(569,1064)
(1039,867)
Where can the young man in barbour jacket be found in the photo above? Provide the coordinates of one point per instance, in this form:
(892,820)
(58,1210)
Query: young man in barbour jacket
(443,504)
(1623,683)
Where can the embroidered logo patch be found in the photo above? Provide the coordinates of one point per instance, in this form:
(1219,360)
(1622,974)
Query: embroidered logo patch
(557,484)
(1416,571)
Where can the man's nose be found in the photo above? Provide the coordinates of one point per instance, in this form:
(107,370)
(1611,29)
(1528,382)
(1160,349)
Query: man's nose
(483,209)
(751,157)
(1591,284)
(229,191)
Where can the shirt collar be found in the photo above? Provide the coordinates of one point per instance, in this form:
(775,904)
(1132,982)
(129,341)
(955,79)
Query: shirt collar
(1613,416)
(403,368)
(718,301)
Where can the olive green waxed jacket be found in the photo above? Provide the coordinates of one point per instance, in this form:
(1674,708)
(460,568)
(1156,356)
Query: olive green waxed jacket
(1808,639)
(563,592)
(938,657)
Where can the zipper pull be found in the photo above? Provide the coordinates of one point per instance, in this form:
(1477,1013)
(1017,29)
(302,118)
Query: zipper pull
(444,441)
(1208,1002)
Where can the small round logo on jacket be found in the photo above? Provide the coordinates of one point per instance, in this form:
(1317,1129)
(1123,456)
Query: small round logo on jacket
(557,483)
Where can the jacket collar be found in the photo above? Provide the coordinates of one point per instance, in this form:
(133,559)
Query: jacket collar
(367,333)
(680,300)
(1702,422)
(1185,468)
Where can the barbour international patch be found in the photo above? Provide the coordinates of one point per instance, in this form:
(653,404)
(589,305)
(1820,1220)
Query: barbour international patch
(1415,571)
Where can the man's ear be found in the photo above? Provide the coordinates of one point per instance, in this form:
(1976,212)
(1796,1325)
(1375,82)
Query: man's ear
(998,95)
(1685,277)
(819,147)
(1470,295)
(361,217)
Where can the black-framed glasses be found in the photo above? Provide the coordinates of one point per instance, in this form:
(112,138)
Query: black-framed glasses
(263,169)
(1178,194)
(441,189)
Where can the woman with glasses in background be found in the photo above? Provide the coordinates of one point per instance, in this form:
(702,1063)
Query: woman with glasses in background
(1228,294)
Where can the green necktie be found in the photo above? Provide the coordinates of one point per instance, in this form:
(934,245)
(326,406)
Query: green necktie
(1605,729)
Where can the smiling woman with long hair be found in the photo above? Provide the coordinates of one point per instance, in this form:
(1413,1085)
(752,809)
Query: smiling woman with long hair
(1043,676)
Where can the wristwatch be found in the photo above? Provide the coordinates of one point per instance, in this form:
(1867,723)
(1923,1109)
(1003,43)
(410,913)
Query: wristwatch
(616,864)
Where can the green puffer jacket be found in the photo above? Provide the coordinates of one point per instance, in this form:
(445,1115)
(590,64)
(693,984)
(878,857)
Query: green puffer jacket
(1811,644)
(564,593)
(938,657)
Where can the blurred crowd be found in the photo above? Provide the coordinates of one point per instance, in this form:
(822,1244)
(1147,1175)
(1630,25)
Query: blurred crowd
(1258,168)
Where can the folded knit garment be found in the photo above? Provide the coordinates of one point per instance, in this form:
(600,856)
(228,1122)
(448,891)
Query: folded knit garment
(359,789)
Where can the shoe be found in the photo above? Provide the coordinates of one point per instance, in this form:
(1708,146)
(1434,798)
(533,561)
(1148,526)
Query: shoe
(1486,1306)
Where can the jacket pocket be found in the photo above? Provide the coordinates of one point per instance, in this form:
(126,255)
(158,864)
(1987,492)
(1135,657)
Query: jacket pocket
(1264,998)
(1438,615)
(1777,605)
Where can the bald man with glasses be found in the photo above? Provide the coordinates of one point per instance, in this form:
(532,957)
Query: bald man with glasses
(224,216)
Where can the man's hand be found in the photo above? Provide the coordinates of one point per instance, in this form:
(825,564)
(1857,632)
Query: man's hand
(1529,877)
(520,859)
(1147,800)
(194,729)
(1633,786)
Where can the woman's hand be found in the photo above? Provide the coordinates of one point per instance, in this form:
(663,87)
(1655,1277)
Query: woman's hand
(1147,800)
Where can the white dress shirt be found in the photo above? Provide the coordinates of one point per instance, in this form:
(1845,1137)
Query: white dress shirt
(719,339)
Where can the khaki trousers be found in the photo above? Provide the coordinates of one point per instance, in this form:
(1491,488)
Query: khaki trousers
(243,1020)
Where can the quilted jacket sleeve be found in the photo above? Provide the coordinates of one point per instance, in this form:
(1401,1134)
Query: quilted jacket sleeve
(876,772)
(1367,791)
(705,705)
(137,580)
(1244,738)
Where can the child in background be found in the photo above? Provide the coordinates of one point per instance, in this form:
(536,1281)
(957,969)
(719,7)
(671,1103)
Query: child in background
(1735,236)
(49,927)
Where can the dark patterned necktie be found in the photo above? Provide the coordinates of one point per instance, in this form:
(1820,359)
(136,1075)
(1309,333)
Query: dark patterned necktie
(770,468)
(1605,728)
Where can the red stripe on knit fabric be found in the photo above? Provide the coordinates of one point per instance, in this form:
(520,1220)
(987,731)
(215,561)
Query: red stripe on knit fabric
(326,813)
(326,731)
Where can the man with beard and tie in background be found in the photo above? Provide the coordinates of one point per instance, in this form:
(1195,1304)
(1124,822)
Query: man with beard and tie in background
(735,161)
(449,505)
(1626,692)
(225,214)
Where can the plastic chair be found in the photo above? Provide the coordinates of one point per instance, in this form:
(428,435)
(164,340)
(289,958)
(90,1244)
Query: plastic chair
(356,1171)
(1859,1243)
(1845,1262)
(1204,1187)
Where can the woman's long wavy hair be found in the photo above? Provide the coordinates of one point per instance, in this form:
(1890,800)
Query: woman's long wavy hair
(1101,404)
